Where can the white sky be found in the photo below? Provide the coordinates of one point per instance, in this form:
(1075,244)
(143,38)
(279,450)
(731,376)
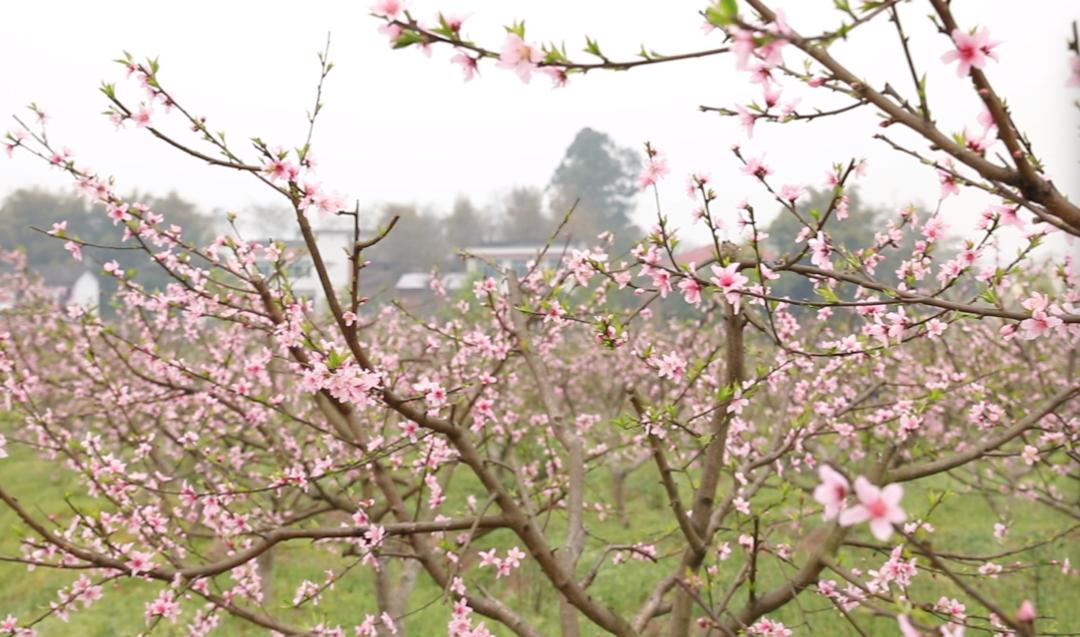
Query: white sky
(401,127)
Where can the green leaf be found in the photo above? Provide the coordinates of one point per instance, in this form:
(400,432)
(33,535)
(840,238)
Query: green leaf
(722,13)
(624,421)
(518,28)
(592,48)
(827,294)
(335,359)
(407,38)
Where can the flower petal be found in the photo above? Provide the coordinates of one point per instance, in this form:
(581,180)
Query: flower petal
(855,515)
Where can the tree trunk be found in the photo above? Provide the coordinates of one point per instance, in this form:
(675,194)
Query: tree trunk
(265,565)
(682,610)
(618,495)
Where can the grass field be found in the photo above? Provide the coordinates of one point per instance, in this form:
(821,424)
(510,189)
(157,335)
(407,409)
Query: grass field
(964,523)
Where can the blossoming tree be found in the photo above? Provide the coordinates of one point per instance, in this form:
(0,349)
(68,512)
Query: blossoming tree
(226,418)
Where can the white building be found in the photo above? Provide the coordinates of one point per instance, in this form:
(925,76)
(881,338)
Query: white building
(333,244)
(86,292)
(511,257)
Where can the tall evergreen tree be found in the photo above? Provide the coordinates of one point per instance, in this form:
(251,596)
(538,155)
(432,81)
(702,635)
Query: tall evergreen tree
(523,218)
(600,176)
(466,225)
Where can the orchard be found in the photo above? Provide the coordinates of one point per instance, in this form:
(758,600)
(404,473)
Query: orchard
(608,441)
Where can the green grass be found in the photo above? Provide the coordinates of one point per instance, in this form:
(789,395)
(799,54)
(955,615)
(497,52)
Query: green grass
(964,523)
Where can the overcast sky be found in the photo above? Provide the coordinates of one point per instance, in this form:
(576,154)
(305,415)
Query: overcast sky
(401,127)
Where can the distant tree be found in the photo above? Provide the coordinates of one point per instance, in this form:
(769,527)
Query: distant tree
(600,176)
(523,219)
(30,208)
(852,234)
(417,243)
(466,225)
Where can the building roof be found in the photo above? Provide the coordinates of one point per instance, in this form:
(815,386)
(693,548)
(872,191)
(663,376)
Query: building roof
(422,281)
(505,251)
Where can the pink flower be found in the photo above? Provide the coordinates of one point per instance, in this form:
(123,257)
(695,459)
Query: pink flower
(951,606)
(15,138)
(772,94)
(514,556)
(655,168)
(730,281)
(1009,216)
(948,184)
(971,50)
(1026,612)
(392,31)
(388,621)
(139,562)
(746,119)
(832,492)
(489,558)
(558,76)
(281,170)
(766,627)
(60,157)
(691,290)
(743,45)
(879,506)
(141,117)
(555,314)
(977,141)
(1036,302)
(697,181)
(388,8)
(117,213)
(520,57)
(822,249)
(779,25)
(1074,79)
(468,64)
(74,249)
(906,629)
(934,228)
(761,74)
(453,22)
(791,192)
(671,366)
(755,167)
(1039,324)
(164,606)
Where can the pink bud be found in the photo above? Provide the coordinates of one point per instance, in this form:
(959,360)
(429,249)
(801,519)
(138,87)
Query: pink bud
(1026,612)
